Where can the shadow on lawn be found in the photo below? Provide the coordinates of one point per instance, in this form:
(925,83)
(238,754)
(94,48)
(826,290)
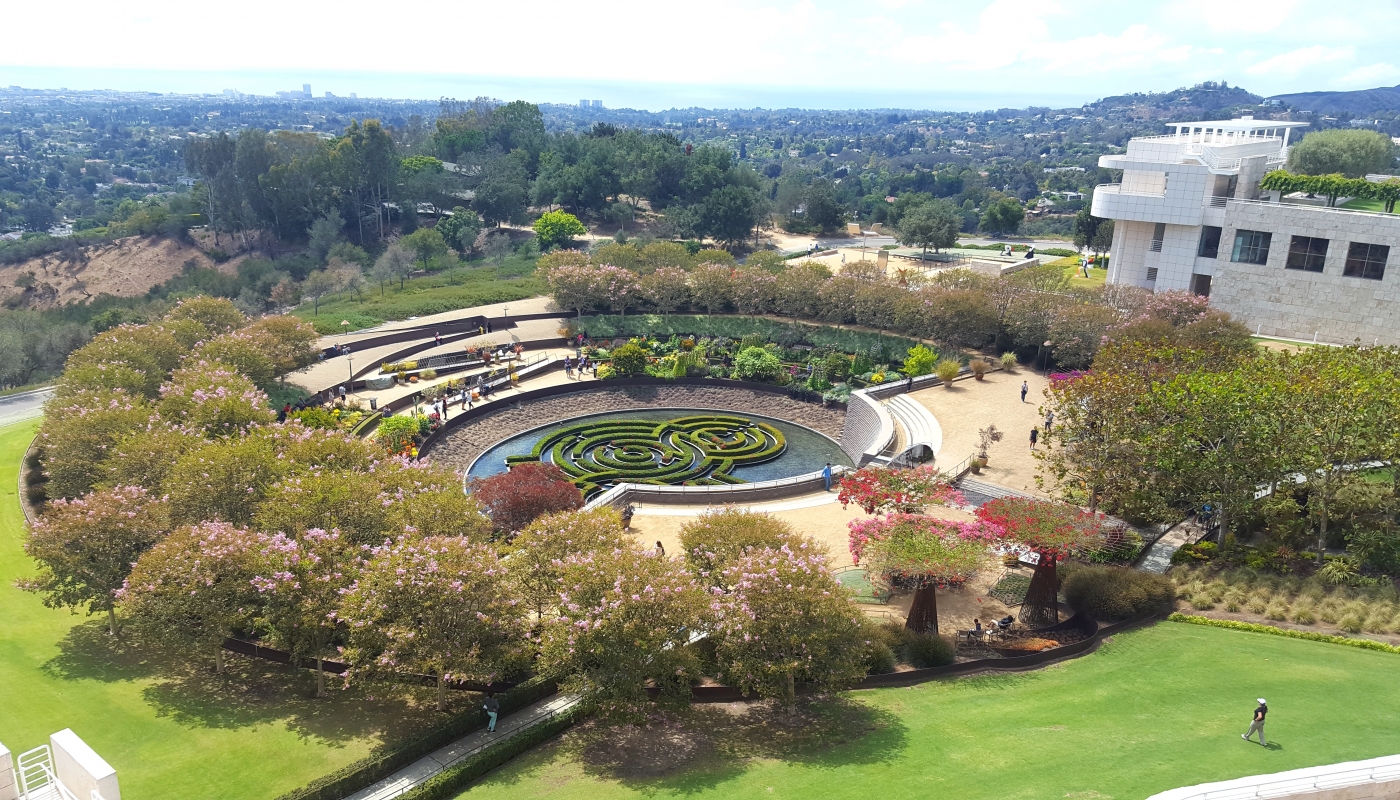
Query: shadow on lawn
(250,692)
(714,743)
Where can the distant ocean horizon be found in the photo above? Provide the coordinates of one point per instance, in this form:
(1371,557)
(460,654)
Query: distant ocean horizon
(634,95)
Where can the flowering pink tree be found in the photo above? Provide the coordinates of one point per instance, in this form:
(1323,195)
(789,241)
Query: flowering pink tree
(877,489)
(438,606)
(1054,531)
(755,291)
(667,289)
(576,286)
(623,622)
(920,553)
(81,428)
(85,547)
(618,287)
(195,586)
(213,399)
(785,619)
(300,581)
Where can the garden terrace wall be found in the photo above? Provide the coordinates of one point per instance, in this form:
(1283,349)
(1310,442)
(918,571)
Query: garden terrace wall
(869,429)
(456,327)
(623,494)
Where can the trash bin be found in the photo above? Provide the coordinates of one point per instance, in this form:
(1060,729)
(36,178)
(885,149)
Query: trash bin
(374,404)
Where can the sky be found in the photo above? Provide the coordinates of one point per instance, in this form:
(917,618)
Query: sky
(954,55)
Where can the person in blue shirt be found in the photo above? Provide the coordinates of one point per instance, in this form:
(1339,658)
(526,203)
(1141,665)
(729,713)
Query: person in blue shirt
(826,475)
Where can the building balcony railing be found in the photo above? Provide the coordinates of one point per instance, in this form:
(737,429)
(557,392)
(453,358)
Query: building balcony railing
(1322,209)
(1117,188)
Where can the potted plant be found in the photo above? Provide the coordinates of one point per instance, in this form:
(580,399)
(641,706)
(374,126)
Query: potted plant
(1008,361)
(947,370)
(979,368)
(986,437)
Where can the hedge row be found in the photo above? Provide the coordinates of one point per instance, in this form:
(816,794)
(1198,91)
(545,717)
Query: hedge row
(450,782)
(353,777)
(1364,644)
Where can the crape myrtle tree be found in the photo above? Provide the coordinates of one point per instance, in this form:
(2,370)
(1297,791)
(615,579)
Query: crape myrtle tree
(1051,530)
(624,619)
(537,553)
(195,586)
(922,553)
(439,606)
(85,547)
(784,619)
(715,539)
(300,581)
(515,498)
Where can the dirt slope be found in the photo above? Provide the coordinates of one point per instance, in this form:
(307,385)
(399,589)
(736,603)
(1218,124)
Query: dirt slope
(125,268)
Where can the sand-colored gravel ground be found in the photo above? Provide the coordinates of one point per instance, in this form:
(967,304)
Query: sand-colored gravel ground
(971,405)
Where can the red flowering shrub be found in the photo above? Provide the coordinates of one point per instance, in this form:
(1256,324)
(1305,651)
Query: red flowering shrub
(514,499)
(876,489)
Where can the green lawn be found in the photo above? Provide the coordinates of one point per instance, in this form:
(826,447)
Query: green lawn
(1361,204)
(462,287)
(1151,710)
(1097,277)
(171,731)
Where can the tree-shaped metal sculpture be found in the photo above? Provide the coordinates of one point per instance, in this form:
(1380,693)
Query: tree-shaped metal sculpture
(920,553)
(1053,531)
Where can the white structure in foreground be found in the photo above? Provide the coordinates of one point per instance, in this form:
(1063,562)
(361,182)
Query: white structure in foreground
(1352,780)
(64,769)
(1189,215)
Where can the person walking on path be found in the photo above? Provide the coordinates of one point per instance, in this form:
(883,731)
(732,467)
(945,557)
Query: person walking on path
(1025,389)
(492,707)
(1049,422)
(826,475)
(437,338)
(1035,434)
(660,550)
(1258,723)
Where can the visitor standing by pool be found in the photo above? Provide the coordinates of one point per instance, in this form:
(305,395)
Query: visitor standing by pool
(826,475)
(1258,723)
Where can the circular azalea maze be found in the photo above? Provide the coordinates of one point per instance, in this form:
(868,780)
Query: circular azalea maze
(697,450)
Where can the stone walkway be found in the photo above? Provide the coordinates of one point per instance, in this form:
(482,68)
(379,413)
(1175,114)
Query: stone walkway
(426,767)
(1159,556)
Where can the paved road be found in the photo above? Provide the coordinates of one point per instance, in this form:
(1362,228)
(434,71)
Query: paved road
(23,406)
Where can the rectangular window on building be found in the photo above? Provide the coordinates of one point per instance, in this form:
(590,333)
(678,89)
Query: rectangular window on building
(1366,260)
(1306,253)
(1210,242)
(1251,247)
(1200,285)
(1159,232)
(1151,274)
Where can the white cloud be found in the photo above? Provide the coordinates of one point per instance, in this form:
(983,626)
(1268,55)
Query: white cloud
(1369,77)
(1295,61)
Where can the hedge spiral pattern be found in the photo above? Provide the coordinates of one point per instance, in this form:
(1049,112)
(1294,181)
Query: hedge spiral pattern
(697,450)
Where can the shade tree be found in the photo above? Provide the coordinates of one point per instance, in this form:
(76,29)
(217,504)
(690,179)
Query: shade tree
(784,619)
(300,580)
(538,552)
(85,547)
(621,630)
(194,587)
(715,539)
(439,606)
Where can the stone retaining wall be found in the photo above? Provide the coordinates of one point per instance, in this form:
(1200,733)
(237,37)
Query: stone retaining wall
(460,446)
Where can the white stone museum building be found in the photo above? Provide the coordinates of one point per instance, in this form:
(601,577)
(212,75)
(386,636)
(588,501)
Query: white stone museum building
(1189,215)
